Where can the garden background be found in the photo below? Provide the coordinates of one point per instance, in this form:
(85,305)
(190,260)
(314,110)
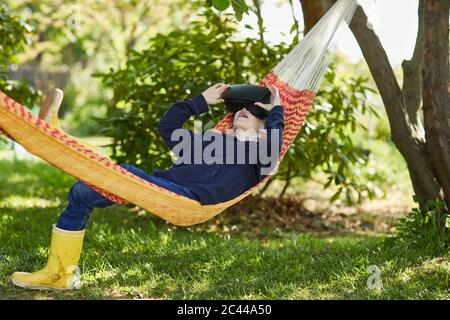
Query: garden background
(337,221)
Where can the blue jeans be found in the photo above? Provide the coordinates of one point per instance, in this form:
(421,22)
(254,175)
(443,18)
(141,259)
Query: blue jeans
(83,199)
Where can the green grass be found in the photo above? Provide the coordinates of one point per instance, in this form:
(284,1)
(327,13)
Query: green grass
(130,255)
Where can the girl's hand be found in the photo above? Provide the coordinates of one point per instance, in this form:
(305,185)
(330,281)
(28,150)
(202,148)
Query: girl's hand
(274,100)
(213,95)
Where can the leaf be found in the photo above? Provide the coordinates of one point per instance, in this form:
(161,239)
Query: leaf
(240,4)
(239,8)
(238,15)
(293,28)
(336,196)
(221,5)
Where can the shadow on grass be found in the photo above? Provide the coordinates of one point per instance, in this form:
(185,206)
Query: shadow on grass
(37,179)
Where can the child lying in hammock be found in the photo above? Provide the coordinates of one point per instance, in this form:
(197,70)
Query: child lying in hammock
(199,179)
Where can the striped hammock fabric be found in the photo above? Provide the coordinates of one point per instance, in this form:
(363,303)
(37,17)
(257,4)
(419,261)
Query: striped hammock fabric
(297,78)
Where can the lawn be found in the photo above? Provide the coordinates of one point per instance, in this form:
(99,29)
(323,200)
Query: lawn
(128,254)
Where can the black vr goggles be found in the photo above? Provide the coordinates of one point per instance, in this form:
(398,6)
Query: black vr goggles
(239,96)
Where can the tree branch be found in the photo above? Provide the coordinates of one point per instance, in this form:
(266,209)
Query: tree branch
(297,25)
(288,180)
(257,11)
(413,150)
(412,80)
(313,10)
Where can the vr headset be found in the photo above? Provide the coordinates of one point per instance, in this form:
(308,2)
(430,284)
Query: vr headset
(239,96)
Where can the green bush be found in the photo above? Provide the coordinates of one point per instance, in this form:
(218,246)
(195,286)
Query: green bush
(13,39)
(428,227)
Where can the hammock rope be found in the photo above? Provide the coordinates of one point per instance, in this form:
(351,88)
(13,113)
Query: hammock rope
(297,78)
(304,67)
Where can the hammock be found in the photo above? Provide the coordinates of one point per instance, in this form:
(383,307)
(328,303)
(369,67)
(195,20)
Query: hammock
(297,77)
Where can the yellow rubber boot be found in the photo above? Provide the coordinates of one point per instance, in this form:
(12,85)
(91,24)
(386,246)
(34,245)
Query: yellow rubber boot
(61,271)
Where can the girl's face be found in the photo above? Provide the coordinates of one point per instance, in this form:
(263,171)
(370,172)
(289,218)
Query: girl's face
(244,120)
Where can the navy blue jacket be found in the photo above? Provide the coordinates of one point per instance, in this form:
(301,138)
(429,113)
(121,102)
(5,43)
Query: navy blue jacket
(225,179)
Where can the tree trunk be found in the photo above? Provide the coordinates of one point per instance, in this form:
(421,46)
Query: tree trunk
(435,90)
(403,107)
(403,133)
(313,10)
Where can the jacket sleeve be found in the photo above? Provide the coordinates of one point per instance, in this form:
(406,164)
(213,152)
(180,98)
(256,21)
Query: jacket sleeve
(177,115)
(274,126)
